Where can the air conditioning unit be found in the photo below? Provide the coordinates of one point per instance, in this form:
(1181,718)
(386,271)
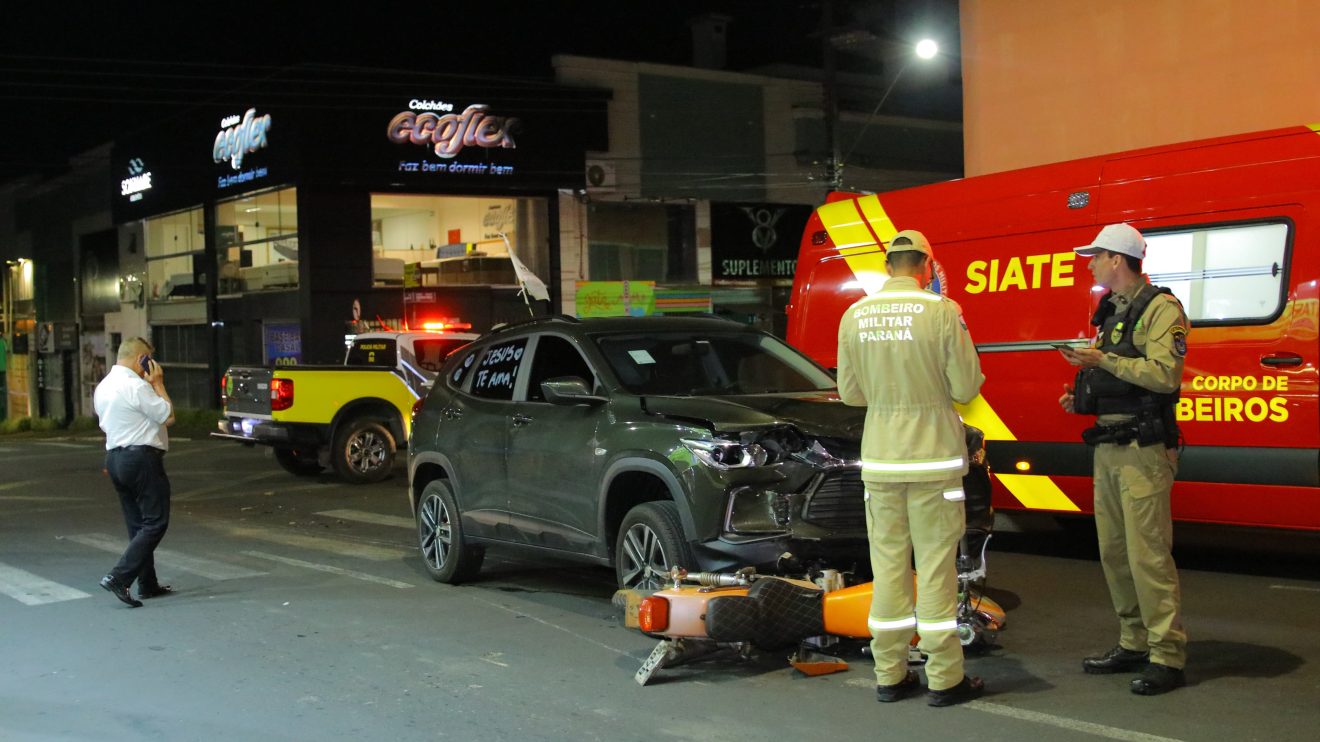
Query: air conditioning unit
(601,175)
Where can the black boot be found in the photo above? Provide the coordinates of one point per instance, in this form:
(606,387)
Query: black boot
(1157,679)
(1117,659)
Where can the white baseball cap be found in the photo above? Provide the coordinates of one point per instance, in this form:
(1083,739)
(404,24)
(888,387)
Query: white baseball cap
(1119,238)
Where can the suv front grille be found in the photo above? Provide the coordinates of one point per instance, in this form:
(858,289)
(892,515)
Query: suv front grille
(837,501)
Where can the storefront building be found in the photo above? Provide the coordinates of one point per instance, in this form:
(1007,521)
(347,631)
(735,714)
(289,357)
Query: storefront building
(264,230)
(711,176)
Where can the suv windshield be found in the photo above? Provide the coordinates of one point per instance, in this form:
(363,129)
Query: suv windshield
(699,364)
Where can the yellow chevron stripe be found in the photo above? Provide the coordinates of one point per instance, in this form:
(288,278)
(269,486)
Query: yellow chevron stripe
(854,241)
(1037,492)
(1315,128)
(979,414)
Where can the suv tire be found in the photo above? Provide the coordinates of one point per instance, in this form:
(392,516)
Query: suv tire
(299,462)
(440,535)
(650,542)
(363,451)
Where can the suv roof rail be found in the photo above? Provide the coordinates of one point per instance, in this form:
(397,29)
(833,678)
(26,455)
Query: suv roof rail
(502,326)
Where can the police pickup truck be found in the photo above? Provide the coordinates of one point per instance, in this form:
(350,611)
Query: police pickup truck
(350,418)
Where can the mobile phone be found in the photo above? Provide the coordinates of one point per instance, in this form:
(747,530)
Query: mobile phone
(145,363)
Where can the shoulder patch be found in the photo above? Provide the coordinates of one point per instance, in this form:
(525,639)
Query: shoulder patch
(1179,341)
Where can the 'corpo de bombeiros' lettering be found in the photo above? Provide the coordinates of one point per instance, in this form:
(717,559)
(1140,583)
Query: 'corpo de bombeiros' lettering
(448,134)
(247,135)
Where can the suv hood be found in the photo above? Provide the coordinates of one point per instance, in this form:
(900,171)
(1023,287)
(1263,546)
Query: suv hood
(813,413)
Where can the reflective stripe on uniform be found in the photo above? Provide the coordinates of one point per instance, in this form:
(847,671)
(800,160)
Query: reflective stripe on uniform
(944,625)
(875,624)
(939,465)
(955,495)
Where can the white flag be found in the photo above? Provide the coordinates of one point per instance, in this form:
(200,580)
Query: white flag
(534,286)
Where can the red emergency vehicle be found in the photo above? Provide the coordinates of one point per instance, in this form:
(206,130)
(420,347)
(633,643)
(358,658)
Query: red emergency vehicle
(1233,228)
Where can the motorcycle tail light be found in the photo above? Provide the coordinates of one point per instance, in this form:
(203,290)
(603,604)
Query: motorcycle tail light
(281,394)
(417,407)
(653,614)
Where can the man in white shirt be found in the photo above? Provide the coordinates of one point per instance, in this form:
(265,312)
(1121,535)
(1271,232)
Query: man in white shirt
(134,409)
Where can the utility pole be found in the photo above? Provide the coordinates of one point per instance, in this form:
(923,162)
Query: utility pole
(834,170)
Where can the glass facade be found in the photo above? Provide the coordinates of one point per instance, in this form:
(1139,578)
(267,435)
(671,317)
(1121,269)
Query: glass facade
(175,249)
(257,242)
(456,240)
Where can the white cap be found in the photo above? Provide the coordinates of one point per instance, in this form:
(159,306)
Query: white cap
(1119,238)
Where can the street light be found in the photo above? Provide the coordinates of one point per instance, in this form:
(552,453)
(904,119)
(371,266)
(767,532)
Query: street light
(925,49)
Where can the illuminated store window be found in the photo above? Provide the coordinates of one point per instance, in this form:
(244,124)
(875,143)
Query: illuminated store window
(457,240)
(1228,275)
(257,242)
(175,248)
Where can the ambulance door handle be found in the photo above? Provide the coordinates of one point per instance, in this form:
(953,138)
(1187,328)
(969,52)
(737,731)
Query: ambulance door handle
(1281,359)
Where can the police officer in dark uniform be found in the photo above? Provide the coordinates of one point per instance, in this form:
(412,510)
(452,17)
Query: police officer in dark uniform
(1130,378)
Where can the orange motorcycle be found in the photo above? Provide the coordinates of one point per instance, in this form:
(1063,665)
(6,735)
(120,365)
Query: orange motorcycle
(698,614)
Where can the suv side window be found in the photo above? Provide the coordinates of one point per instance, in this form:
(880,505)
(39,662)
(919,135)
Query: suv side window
(555,356)
(497,370)
(460,369)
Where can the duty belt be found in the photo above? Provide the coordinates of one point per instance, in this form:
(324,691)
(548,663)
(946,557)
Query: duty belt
(1122,434)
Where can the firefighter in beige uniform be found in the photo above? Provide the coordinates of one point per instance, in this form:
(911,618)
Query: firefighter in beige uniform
(1130,379)
(905,354)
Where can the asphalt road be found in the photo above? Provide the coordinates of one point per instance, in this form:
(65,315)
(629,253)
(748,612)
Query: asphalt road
(303,613)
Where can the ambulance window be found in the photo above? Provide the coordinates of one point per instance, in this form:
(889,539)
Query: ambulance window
(1222,275)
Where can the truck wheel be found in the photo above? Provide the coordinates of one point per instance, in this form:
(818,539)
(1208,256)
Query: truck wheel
(363,451)
(440,536)
(297,461)
(650,542)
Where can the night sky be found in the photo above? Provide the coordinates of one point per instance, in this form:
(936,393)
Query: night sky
(75,75)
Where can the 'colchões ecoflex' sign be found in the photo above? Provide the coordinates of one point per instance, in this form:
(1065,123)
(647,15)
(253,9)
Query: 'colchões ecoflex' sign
(435,125)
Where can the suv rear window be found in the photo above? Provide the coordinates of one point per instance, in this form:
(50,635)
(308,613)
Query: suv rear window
(373,352)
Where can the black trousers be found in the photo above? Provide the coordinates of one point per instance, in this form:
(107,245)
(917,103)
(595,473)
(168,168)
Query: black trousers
(138,474)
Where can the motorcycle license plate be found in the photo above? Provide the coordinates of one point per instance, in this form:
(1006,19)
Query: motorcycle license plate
(653,663)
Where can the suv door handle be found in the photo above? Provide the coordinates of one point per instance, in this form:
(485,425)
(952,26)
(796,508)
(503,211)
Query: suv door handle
(520,420)
(1281,359)
(451,413)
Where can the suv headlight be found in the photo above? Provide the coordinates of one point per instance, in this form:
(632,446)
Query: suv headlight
(724,454)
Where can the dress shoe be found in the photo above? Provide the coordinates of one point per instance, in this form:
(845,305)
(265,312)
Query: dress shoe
(153,591)
(119,591)
(968,689)
(1157,679)
(898,691)
(1117,659)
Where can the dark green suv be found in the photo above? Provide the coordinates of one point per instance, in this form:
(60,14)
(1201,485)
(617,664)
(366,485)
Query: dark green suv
(640,443)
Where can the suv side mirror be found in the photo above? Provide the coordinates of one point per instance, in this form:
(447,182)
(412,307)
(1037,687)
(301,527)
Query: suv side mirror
(569,390)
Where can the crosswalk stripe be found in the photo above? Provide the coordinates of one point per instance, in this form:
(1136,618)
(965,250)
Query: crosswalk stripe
(29,589)
(329,568)
(170,560)
(362,516)
(316,543)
